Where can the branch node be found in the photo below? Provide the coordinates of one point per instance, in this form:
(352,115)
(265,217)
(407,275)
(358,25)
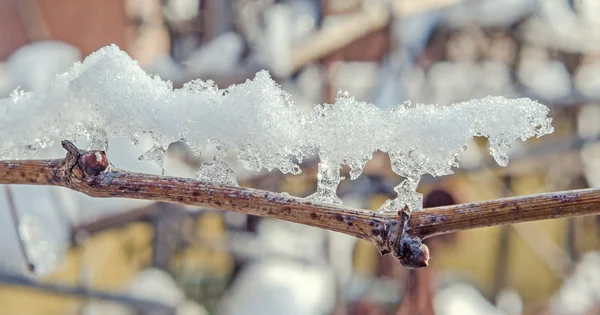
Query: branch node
(412,253)
(67,171)
(79,163)
(409,249)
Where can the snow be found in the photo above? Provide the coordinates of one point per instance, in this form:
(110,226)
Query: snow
(491,13)
(587,79)
(41,229)
(35,65)
(580,293)
(589,130)
(510,302)
(463,299)
(151,285)
(549,79)
(275,46)
(278,286)
(557,25)
(157,285)
(109,95)
(217,57)
(217,172)
(181,10)
(355,76)
(306,15)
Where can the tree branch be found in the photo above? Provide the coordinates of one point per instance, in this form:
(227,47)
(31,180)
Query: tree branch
(90,172)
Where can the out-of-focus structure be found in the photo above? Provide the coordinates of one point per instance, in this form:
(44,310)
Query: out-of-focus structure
(120,256)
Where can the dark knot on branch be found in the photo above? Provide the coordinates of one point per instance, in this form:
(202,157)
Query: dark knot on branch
(412,253)
(409,249)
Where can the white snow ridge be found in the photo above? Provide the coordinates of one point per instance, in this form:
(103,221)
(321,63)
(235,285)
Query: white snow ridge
(109,95)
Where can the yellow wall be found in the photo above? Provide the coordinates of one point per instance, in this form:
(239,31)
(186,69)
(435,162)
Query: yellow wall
(110,258)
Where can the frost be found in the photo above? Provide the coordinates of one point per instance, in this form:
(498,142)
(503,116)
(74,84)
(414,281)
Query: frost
(155,154)
(108,95)
(217,172)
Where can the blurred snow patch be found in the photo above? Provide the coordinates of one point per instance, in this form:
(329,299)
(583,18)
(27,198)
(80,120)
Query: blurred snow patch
(587,79)
(181,10)
(165,67)
(510,302)
(491,13)
(292,240)
(275,46)
(459,81)
(281,287)
(557,25)
(102,308)
(589,156)
(358,78)
(155,285)
(587,121)
(44,232)
(305,17)
(581,292)
(33,66)
(547,78)
(217,57)
(472,155)
(310,83)
(463,299)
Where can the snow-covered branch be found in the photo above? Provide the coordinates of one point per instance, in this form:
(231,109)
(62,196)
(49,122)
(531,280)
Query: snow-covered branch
(109,95)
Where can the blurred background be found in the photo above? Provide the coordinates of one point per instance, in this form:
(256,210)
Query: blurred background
(135,257)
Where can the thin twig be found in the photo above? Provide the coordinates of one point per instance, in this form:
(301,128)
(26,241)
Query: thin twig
(90,172)
(12,207)
(85,293)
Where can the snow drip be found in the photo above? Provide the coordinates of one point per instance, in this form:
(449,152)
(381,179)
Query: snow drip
(109,95)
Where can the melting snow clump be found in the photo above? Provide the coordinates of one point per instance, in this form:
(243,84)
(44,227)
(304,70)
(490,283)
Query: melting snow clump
(109,95)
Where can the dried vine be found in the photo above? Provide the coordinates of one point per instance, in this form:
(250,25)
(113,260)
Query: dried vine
(401,234)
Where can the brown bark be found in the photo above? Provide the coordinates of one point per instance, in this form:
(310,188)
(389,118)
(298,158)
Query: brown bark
(89,172)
